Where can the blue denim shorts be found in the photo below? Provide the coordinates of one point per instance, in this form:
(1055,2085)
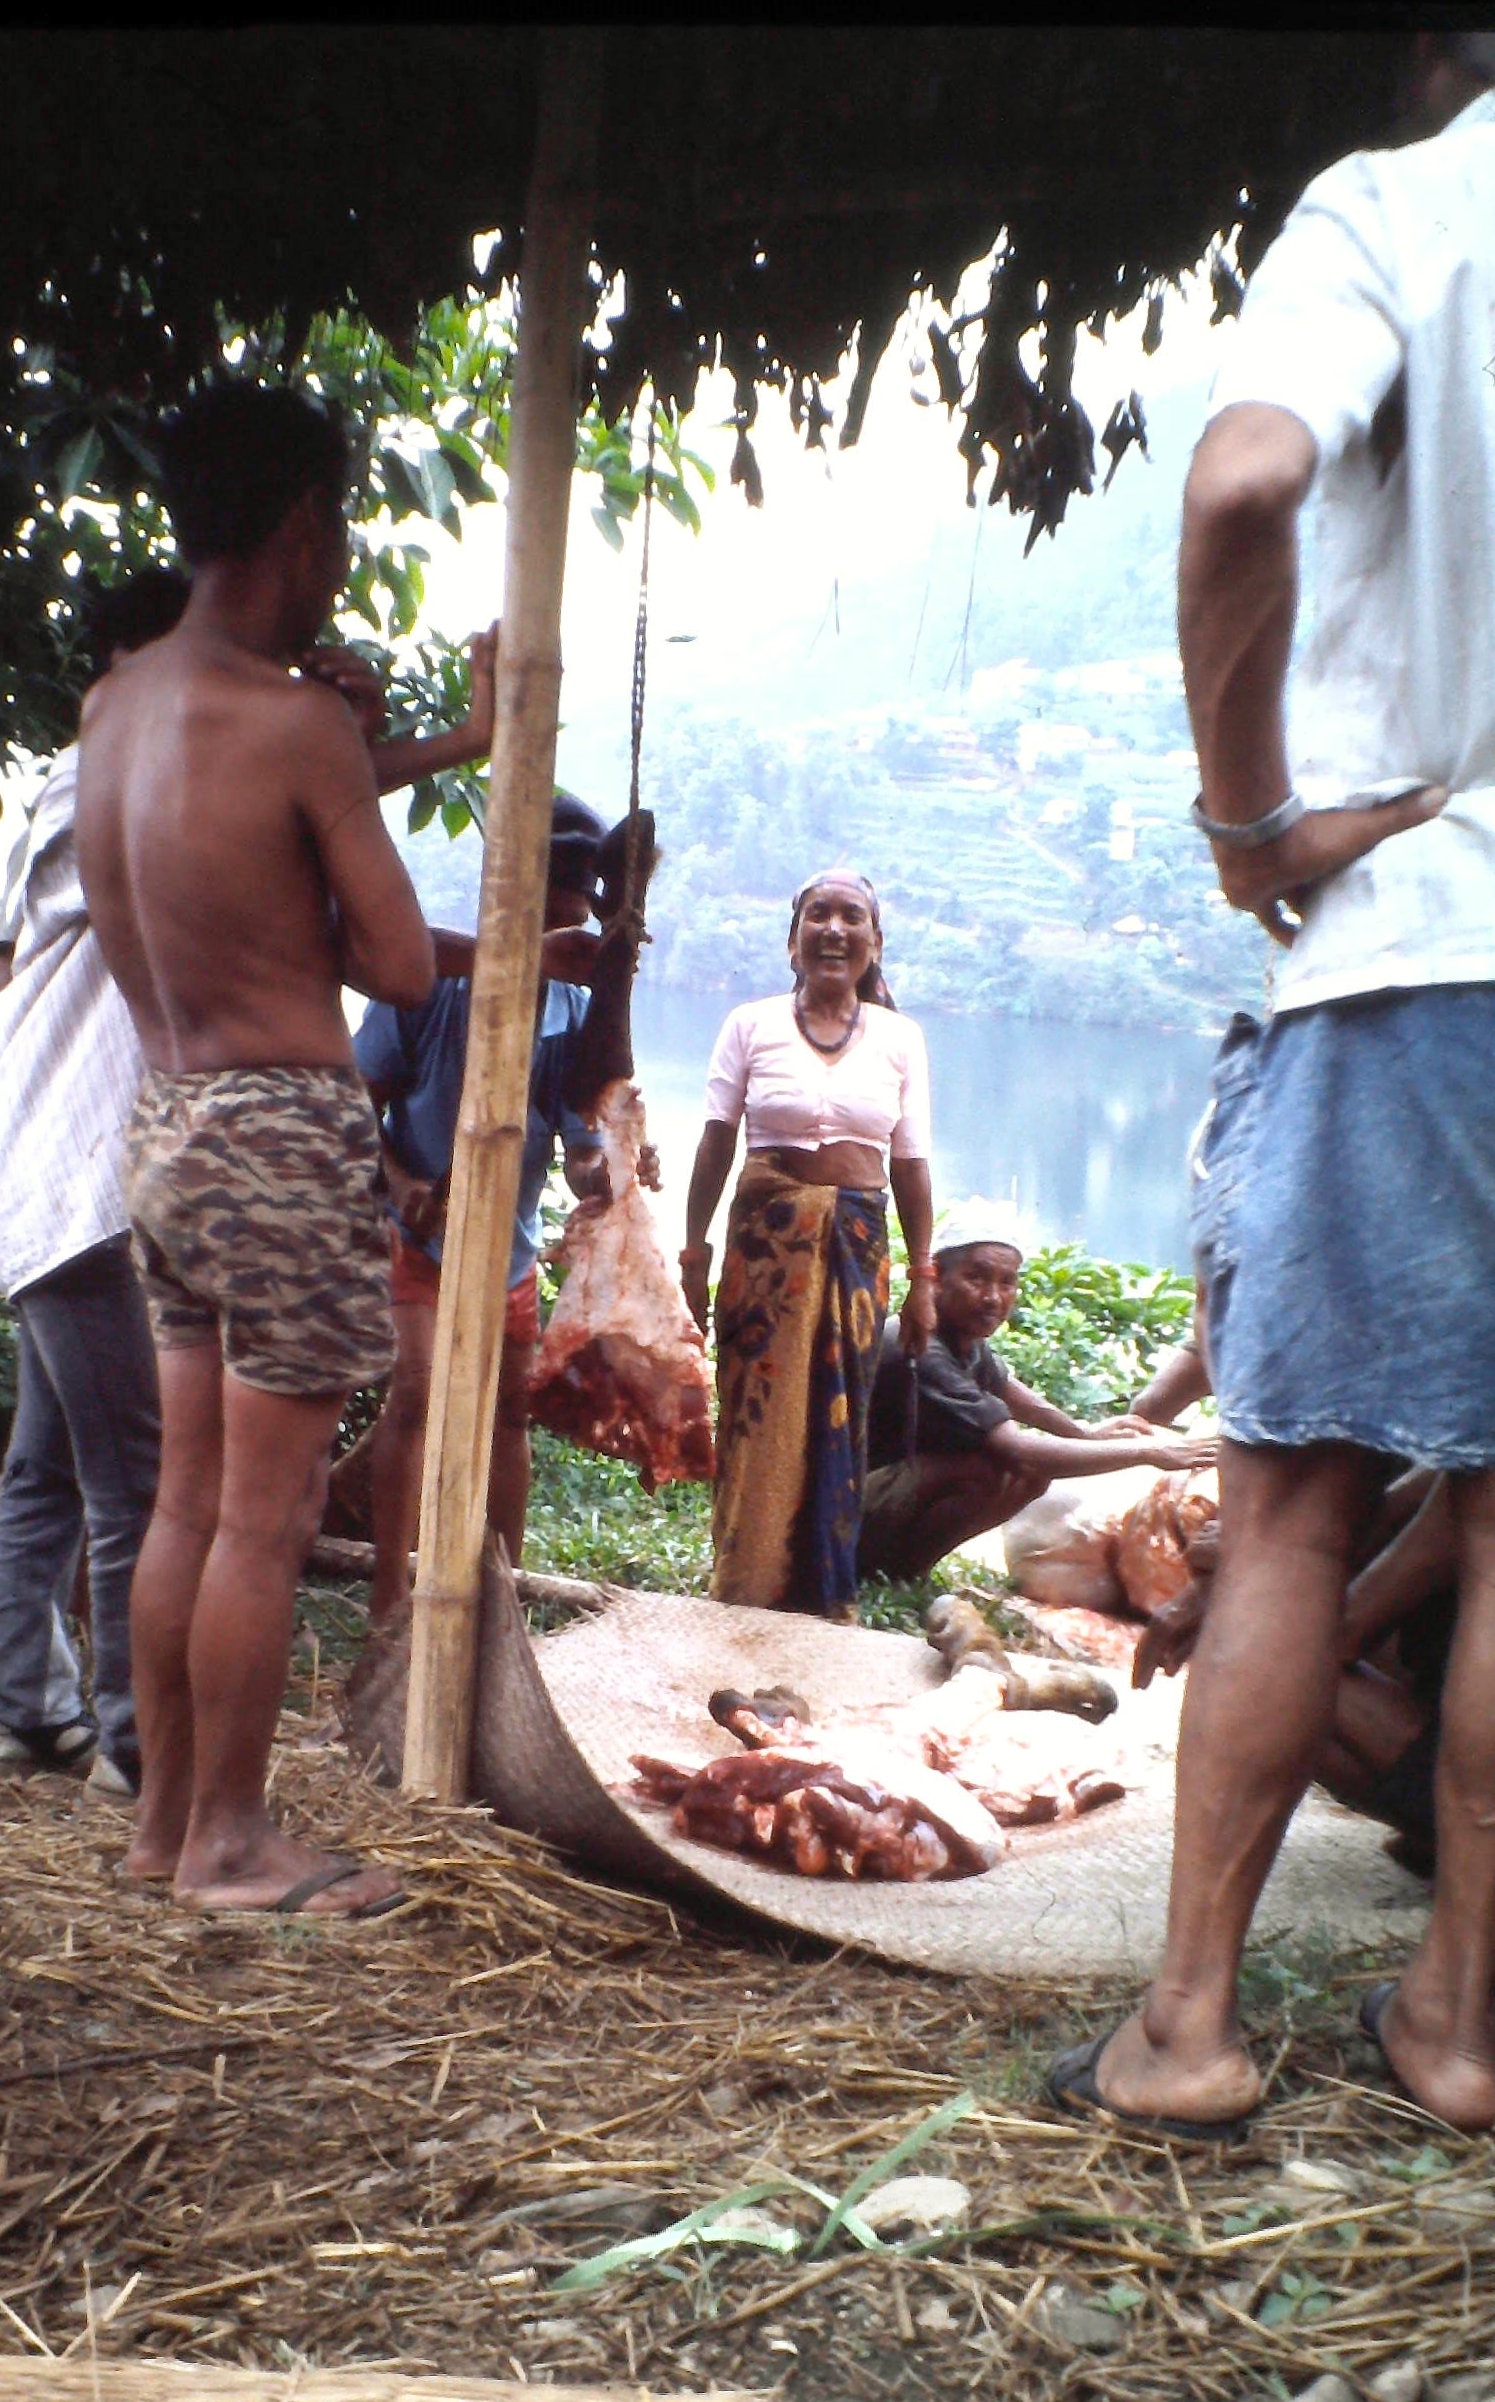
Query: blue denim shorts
(1343,1220)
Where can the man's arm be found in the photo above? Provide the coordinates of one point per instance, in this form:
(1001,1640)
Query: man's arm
(384,943)
(1035,1453)
(1179,1379)
(1237,608)
(1031,1409)
(1415,1565)
(408,757)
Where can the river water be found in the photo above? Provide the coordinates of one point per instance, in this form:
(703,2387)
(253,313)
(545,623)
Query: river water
(1088,1124)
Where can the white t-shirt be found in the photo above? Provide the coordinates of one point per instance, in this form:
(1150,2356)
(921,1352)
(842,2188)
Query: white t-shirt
(1376,307)
(70,1065)
(875,1091)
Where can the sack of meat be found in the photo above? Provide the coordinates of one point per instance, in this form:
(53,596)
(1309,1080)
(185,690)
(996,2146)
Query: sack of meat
(1061,1550)
(622,1364)
(1164,1537)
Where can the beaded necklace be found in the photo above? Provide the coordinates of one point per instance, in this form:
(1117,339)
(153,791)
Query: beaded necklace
(827,1050)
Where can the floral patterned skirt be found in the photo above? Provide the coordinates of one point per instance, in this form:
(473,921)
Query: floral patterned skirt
(799,1320)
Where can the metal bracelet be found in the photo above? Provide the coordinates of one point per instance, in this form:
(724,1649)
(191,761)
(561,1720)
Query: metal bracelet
(1261,830)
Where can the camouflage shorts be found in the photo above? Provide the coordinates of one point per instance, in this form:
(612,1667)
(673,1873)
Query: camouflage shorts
(252,1195)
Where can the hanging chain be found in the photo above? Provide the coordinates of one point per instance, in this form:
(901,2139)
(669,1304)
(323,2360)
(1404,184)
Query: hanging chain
(640,667)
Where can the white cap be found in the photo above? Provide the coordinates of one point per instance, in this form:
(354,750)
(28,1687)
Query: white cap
(979,1221)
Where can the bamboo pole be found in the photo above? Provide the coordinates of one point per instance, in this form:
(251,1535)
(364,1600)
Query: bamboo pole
(553,298)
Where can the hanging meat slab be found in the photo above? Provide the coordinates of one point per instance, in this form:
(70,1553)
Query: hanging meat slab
(622,1364)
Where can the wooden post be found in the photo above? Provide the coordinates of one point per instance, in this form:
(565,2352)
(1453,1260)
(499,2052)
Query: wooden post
(553,302)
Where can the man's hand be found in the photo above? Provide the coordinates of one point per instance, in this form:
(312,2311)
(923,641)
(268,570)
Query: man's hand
(587,1175)
(354,678)
(1278,878)
(1170,1635)
(1129,1425)
(1183,1451)
(419,1205)
(697,1290)
(916,1318)
(569,954)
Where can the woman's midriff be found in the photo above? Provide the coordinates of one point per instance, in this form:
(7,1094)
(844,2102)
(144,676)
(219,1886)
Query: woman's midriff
(857,1166)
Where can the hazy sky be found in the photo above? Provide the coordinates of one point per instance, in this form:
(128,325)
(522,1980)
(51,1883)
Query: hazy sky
(760,590)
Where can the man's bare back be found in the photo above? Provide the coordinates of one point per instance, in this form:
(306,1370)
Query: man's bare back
(236,863)
(238,871)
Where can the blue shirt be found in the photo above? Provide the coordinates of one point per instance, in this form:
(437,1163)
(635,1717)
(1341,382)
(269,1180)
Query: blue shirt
(417,1057)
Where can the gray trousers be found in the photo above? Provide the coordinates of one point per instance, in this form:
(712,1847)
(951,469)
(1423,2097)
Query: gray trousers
(83,1459)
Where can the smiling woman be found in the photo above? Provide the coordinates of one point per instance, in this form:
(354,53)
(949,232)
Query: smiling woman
(834,1086)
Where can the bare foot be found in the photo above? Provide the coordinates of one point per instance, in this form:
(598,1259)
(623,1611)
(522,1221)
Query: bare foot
(155,1846)
(1142,2078)
(263,1872)
(1453,2079)
(149,1864)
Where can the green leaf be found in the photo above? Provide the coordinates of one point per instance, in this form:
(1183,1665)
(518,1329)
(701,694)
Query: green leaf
(424,801)
(79,461)
(455,815)
(438,482)
(404,492)
(607,526)
(677,501)
(139,450)
(697,2226)
(1429,2162)
(464,465)
(939,2122)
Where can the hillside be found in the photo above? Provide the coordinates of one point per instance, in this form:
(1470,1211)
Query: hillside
(1000,742)
(1031,849)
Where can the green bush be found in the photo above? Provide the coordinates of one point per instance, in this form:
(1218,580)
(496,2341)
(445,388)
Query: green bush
(1086,1332)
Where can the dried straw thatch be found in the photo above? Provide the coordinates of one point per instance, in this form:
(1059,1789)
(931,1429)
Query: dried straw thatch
(770,190)
(263,2143)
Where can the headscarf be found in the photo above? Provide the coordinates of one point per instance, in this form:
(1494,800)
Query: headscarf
(872,985)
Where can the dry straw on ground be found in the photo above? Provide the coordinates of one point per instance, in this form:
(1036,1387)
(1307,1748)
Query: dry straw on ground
(273,2143)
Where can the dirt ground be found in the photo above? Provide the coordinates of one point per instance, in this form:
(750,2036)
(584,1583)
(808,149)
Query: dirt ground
(272,2142)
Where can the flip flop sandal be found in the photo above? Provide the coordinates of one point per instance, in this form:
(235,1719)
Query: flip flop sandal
(1071,2083)
(339,1870)
(336,1871)
(1373,2011)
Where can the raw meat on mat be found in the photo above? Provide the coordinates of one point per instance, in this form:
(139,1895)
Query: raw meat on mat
(622,1364)
(824,1812)
(905,1794)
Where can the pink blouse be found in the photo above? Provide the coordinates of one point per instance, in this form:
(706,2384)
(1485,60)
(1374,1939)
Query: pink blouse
(875,1091)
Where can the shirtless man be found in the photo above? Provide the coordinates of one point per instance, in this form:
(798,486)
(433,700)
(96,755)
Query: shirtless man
(238,872)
